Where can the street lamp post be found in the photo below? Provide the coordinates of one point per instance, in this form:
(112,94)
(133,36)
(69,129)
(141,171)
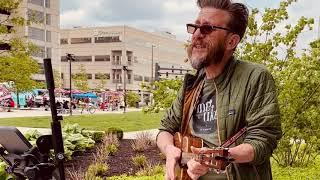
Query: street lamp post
(70,58)
(125,71)
(152,46)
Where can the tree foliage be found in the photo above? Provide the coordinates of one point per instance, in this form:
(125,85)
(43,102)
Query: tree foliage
(102,80)
(57,79)
(16,62)
(296,73)
(164,92)
(80,79)
(132,98)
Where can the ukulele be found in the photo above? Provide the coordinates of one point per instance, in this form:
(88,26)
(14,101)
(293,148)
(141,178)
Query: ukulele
(216,158)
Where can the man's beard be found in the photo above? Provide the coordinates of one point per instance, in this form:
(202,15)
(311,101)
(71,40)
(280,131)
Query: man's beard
(214,56)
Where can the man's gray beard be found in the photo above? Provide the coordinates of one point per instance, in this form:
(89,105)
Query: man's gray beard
(214,57)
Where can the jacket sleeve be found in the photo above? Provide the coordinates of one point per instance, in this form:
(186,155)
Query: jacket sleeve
(171,120)
(262,116)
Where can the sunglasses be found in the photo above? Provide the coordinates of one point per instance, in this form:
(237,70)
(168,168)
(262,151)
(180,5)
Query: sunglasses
(204,29)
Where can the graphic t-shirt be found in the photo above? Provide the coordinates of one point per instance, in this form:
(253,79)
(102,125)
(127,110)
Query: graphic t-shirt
(204,121)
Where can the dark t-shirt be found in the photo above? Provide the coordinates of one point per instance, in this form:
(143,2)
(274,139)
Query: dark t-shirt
(204,120)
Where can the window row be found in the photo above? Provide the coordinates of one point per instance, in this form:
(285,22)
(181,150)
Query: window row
(98,58)
(39,17)
(39,34)
(43,3)
(82,40)
(96,76)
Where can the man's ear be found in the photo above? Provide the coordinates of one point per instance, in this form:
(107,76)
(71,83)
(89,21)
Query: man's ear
(233,41)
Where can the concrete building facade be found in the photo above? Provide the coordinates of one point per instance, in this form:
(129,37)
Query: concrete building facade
(107,50)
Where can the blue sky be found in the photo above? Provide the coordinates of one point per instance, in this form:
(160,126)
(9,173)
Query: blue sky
(160,15)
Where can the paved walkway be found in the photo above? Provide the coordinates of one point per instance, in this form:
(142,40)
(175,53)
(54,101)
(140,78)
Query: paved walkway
(126,135)
(41,112)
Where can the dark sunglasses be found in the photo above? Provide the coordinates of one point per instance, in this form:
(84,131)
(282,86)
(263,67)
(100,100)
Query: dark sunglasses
(204,29)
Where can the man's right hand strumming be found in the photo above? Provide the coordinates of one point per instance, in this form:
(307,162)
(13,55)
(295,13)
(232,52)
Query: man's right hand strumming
(172,156)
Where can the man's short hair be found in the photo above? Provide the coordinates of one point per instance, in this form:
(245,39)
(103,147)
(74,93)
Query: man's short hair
(238,12)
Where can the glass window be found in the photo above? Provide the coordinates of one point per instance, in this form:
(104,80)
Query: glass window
(36,33)
(35,15)
(107,39)
(48,52)
(36,2)
(48,36)
(47,3)
(40,52)
(64,41)
(80,40)
(89,76)
(147,79)
(64,59)
(83,58)
(5,46)
(48,19)
(107,75)
(102,58)
(137,77)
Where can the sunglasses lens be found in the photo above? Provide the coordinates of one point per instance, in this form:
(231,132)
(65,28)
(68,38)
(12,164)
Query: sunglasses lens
(191,29)
(205,29)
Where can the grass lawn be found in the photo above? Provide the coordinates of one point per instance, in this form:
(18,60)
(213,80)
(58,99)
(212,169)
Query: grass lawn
(130,121)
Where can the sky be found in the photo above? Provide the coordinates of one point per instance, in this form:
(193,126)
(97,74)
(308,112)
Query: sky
(165,15)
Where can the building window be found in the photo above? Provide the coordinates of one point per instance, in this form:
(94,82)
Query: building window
(89,76)
(35,15)
(83,58)
(147,79)
(64,41)
(137,77)
(62,76)
(107,75)
(102,58)
(5,46)
(47,3)
(36,2)
(48,19)
(64,59)
(36,33)
(40,52)
(48,36)
(107,39)
(48,52)
(80,40)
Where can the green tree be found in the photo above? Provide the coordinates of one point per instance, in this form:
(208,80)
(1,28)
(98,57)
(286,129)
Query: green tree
(132,98)
(164,92)
(57,79)
(16,62)
(297,78)
(80,79)
(102,80)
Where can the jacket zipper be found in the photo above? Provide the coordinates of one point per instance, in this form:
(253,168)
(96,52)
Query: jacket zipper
(215,85)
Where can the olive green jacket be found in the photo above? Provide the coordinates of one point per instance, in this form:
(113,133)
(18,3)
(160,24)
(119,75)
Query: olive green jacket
(246,96)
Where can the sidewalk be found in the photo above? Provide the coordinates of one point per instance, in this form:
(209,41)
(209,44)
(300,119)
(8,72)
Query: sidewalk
(126,135)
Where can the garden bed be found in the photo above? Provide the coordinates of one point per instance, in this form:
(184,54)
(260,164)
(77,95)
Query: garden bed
(120,163)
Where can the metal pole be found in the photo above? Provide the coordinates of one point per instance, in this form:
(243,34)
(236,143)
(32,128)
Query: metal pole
(152,63)
(124,88)
(70,59)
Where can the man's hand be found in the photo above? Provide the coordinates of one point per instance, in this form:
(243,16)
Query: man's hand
(195,169)
(172,156)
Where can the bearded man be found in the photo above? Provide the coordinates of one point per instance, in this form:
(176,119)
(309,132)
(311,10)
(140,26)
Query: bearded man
(224,96)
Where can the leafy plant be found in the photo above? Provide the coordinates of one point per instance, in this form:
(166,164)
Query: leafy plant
(3,174)
(117,131)
(150,170)
(97,169)
(139,161)
(142,141)
(132,98)
(111,149)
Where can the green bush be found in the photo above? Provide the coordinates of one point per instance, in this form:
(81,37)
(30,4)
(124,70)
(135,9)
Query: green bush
(132,99)
(97,136)
(97,169)
(111,149)
(139,161)
(3,174)
(116,131)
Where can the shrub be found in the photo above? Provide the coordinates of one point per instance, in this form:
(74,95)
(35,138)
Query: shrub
(97,169)
(111,139)
(142,142)
(151,170)
(116,131)
(139,161)
(111,149)
(132,99)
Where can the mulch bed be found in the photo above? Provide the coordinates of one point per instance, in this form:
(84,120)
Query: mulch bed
(120,163)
